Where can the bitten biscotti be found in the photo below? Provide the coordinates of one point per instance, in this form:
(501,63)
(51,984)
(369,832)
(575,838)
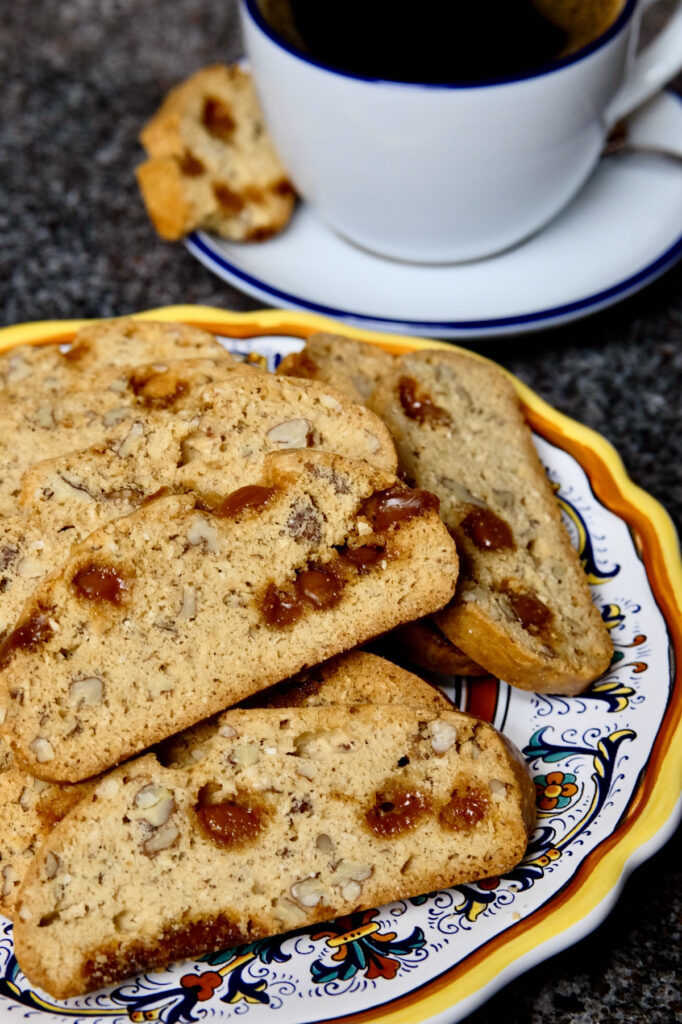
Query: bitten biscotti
(211,161)
(353,367)
(30,807)
(523,608)
(214,445)
(292,816)
(163,617)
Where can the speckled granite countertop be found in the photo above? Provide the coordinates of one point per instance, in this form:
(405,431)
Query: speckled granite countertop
(79,79)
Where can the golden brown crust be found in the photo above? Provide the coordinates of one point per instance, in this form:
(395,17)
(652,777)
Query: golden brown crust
(163,190)
(468,625)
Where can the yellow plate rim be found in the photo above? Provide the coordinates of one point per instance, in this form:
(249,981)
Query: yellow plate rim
(654,812)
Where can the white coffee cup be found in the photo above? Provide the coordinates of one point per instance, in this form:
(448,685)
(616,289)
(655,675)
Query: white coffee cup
(444,173)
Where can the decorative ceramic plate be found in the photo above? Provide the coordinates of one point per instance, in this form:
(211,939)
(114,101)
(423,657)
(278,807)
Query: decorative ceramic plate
(607,768)
(620,232)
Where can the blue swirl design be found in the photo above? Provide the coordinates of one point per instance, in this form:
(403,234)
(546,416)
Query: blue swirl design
(595,575)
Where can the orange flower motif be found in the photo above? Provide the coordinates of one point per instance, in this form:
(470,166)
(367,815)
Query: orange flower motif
(555,790)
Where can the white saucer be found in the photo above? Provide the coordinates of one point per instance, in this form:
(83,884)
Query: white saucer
(623,230)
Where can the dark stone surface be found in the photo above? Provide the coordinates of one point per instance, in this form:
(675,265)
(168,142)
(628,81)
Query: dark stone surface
(79,79)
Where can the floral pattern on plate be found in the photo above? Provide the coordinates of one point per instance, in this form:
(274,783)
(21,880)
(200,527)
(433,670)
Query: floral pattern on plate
(586,755)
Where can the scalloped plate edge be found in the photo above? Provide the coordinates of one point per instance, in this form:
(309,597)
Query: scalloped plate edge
(653,814)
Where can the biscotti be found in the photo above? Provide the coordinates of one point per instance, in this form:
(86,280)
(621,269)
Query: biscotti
(354,678)
(329,813)
(523,608)
(40,427)
(224,437)
(163,617)
(422,644)
(211,161)
(30,807)
(353,367)
(215,444)
(48,369)
(348,679)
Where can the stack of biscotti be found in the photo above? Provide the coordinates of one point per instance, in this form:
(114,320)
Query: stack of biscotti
(165,616)
(269,819)
(523,608)
(54,402)
(228,537)
(355,368)
(212,445)
(211,163)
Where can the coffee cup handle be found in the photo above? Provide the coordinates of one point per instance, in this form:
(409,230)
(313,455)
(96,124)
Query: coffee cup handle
(654,65)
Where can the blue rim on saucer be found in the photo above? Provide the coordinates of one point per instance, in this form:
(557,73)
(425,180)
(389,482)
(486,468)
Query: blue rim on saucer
(200,245)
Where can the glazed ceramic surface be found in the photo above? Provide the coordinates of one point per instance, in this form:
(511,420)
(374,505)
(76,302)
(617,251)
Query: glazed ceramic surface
(618,234)
(437,173)
(606,765)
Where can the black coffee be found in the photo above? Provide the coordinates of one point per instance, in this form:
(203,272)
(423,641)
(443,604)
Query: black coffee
(438,40)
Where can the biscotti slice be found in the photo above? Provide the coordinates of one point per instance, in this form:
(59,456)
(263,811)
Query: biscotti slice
(357,677)
(330,813)
(101,393)
(423,644)
(215,445)
(163,617)
(523,608)
(28,370)
(354,367)
(211,161)
(125,341)
(44,427)
(346,680)
(30,807)
(223,438)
